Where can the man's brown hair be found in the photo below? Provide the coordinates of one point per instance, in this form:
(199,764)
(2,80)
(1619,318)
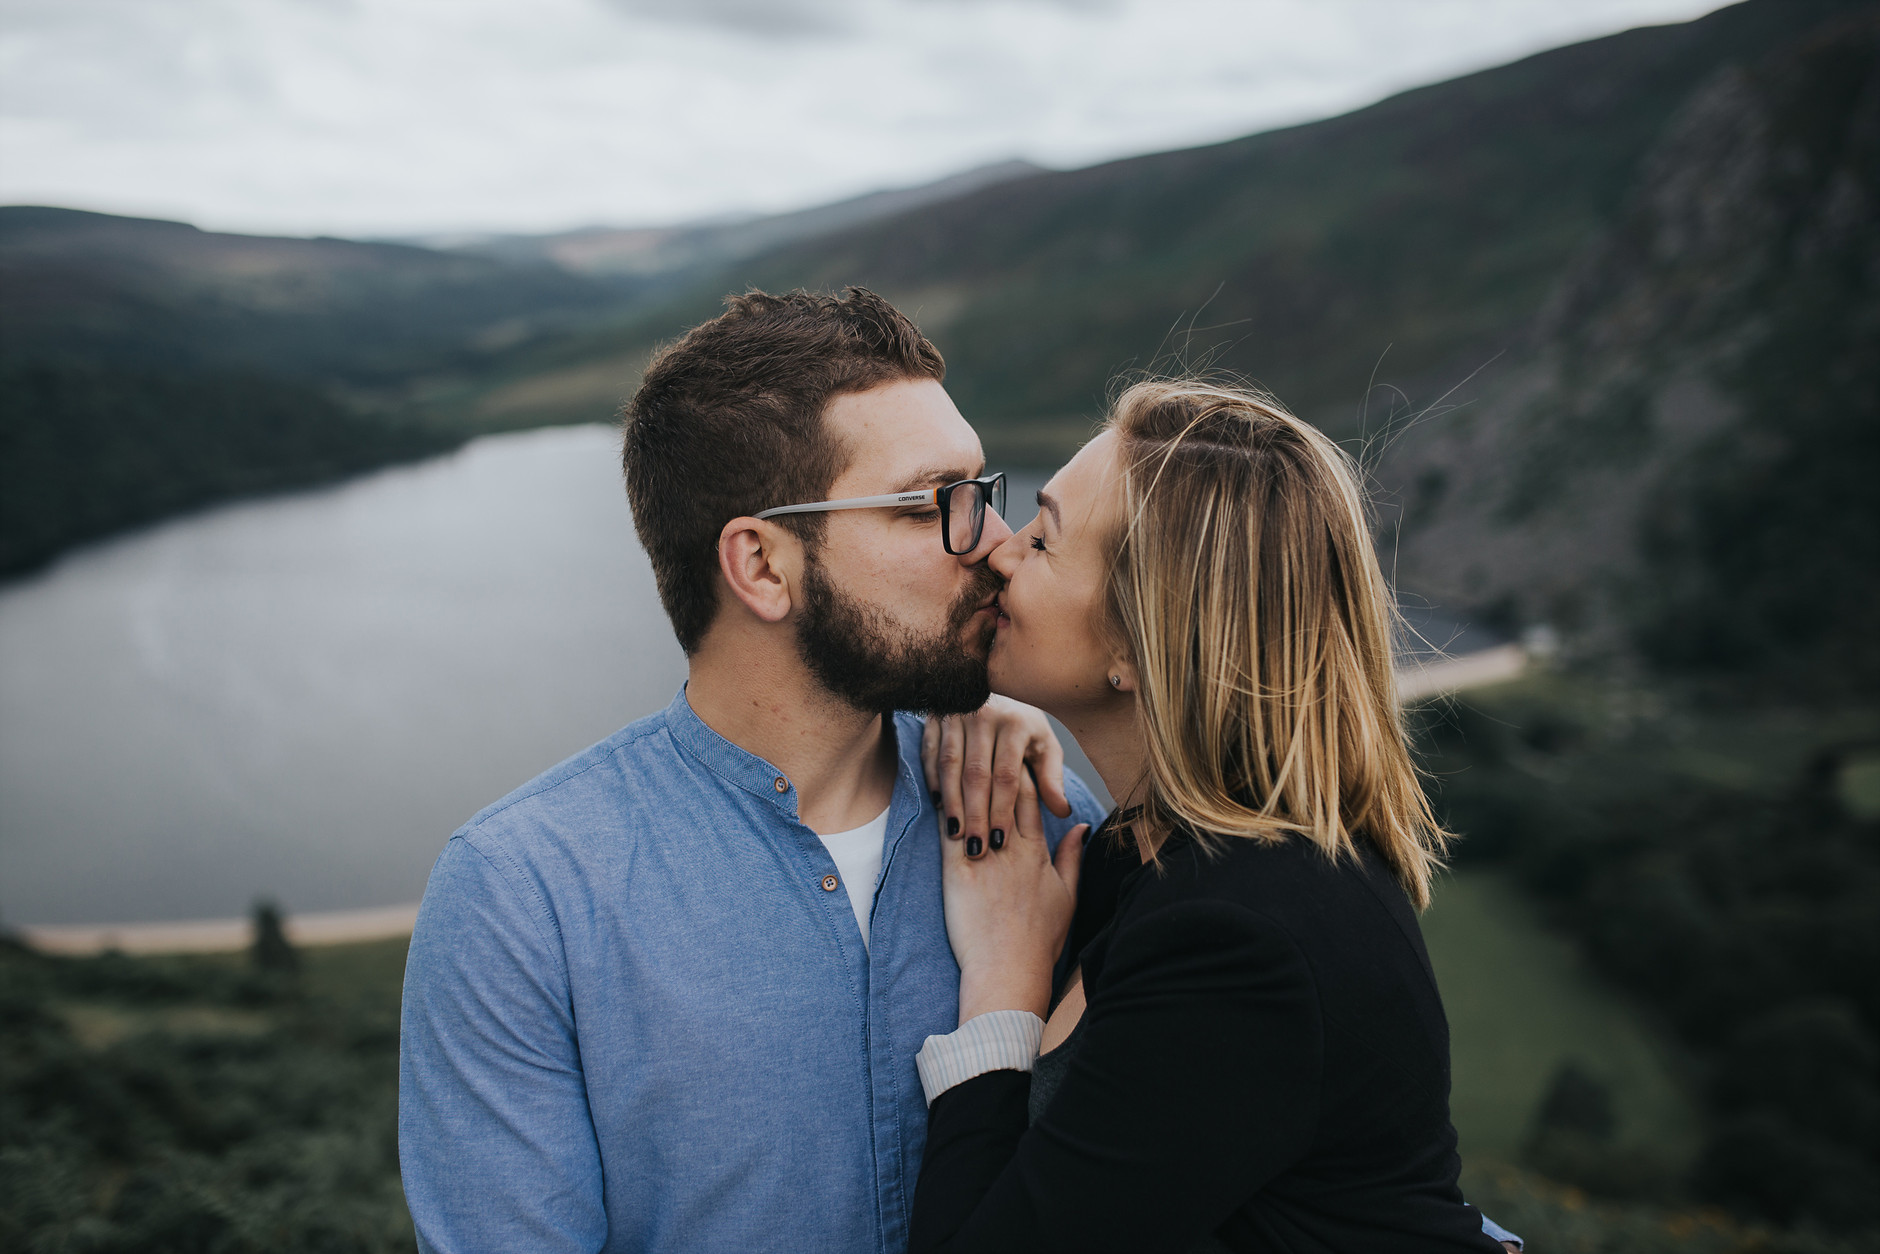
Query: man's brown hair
(729,421)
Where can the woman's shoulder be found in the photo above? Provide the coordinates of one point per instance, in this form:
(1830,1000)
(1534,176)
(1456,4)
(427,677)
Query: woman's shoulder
(1199,943)
(1222,893)
(1281,873)
(1289,884)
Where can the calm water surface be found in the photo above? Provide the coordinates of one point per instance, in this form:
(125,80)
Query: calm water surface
(304,696)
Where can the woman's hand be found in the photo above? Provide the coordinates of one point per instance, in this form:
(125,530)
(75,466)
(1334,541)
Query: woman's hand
(1009,910)
(974,763)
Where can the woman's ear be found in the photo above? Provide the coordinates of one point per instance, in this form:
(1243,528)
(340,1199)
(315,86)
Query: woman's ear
(761,564)
(1122,674)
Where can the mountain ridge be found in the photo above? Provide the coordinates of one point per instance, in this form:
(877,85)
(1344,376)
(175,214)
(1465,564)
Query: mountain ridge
(1422,244)
(1424,231)
(661,250)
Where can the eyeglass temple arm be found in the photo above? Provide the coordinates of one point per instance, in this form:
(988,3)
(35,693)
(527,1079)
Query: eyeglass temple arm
(927,496)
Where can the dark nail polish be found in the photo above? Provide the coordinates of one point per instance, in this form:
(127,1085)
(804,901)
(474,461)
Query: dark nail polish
(997,840)
(936,799)
(972,846)
(953,826)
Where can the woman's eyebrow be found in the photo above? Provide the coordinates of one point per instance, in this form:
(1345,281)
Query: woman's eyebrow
(1049,504)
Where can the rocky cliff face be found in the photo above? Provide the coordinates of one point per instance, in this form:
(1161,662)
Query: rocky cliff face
(1681,458)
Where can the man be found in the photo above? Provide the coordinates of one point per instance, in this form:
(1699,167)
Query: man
(648,1005)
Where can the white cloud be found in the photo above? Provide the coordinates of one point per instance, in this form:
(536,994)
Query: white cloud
(384,116)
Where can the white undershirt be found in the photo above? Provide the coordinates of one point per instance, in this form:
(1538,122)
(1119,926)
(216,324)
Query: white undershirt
(857,854)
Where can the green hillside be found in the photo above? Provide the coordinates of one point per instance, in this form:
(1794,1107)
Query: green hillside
(148,368)
(1525,1009)
(1433,225)
(132,292)
(1427,240)
(1605,323)
(1718,864)
(201,1103)
(91,450)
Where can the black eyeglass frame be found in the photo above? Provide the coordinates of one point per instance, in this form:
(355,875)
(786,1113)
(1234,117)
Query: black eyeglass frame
(989,490)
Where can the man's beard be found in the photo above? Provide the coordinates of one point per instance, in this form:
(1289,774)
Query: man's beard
(877,665)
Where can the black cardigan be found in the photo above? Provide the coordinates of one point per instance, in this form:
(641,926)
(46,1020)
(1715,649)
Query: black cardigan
(1263,1059)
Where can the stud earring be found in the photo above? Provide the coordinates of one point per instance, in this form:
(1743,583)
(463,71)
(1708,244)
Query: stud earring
(1116,681)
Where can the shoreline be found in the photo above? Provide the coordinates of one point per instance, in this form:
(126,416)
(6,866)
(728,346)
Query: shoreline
(345,927)
(209,936)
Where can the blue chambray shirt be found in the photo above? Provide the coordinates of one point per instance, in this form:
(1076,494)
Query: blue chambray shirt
(634,1018)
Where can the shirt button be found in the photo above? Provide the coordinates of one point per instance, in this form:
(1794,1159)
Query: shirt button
(781,784)
(831,883)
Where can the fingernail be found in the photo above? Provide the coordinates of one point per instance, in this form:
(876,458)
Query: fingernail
(972,846)
(998,838)
(936,799)
(953,826)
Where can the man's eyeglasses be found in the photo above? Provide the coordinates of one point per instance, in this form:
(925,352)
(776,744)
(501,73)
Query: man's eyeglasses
(962,508)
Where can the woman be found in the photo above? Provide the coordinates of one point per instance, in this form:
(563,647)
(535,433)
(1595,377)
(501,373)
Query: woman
(1250,1053)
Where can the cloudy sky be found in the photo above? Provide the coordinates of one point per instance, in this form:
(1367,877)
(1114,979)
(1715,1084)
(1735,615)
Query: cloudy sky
(361,117)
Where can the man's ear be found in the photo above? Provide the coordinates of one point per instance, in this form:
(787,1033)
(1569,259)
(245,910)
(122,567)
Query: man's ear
(762,564)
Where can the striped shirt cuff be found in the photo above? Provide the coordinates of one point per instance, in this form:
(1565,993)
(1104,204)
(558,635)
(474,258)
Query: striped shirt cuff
(1000,1040)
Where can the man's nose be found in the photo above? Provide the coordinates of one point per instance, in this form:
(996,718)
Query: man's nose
(991,536)
(1004,559)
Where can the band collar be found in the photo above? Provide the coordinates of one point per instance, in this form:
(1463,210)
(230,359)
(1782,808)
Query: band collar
(744,769)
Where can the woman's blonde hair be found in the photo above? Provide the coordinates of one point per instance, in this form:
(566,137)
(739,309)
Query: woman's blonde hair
(1246,591)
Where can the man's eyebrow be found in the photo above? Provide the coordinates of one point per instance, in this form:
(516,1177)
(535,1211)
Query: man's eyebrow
(932,478)
(1048,503)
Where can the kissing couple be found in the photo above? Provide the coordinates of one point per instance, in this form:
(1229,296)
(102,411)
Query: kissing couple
(787,966)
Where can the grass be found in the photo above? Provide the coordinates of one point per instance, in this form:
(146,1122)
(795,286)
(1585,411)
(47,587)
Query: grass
(1560,1219)
(1859,786)
(1522,1004)
(201,1104)
(1705,864)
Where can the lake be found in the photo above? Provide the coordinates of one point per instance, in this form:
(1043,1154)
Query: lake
(303,696)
